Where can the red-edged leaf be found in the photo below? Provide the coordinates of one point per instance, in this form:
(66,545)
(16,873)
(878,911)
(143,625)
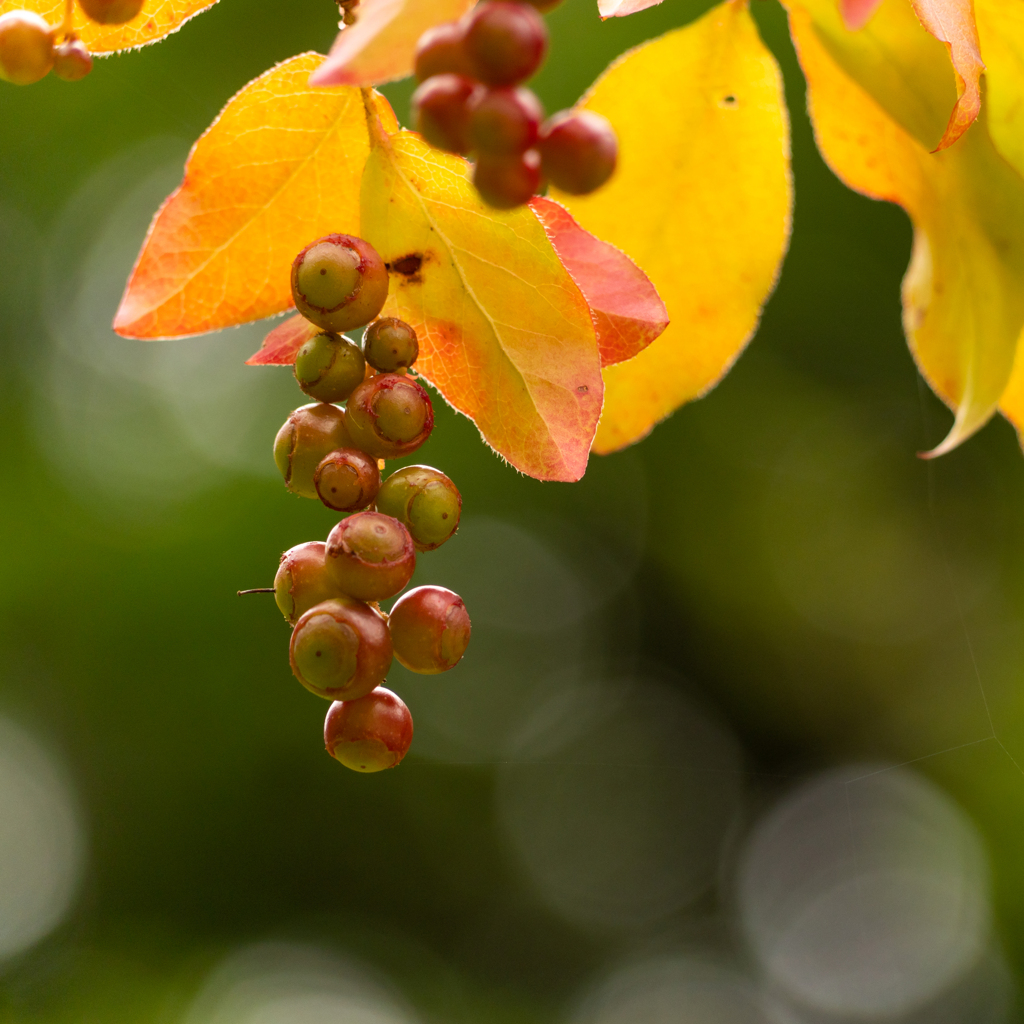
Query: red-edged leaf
(281,344)
(628,312)
(857,13)
(620,8)
(952,22)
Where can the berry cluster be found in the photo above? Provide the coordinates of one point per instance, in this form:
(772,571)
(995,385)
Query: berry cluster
(342,642)
(29,47)
(470,101)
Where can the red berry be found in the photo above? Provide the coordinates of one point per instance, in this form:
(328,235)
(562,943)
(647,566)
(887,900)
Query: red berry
(439,111)
(507,181)
(340,649)
(302,580)
(503,122)
(339,282)
(347,480)
(111,12)
(578,151)
(429,629)
(71,60)
(390,345)
(370,556)
(308,436)
(369,734)
(389,415)
(440,51)
(505,42)
(26,47)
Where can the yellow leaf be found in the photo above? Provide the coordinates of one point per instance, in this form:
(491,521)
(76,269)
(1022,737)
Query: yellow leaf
(279,167)
(701,201)
(158,18)
(504,333)
(1001,30)
(962,297)
(381,45)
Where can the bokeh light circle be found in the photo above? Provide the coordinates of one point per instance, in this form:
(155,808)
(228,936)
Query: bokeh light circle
(864,892)
(42,844)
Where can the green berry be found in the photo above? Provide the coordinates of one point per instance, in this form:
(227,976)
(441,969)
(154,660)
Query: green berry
(309,434)
(328,368)
(26,47)
(339,282)
(340,649)
(370,556)
(429,630)
(369,734)
(390,345)
(426,501)
(111,12)
(71,60)
(347,480)
(302,580)
(389,415)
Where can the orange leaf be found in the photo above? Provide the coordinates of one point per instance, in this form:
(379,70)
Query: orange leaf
(158,18)
(281,344)
(505,334)
(621,8)
(381,45)
(627,310)
(952,22)
(279,167)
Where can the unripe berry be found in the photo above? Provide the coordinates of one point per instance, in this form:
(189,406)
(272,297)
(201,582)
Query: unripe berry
(347,480)
(72,61)
(578,151)
(309,434)
(503,122)
(369,734)
(389,415)
(505,42)
(439,111)
(329,367)
(370,556)
(507,181)
(111,12)
(26,47)
(429,630)
(339,282)
(390,345)
(340,649)
(425,501)
(440,51)
(302,580)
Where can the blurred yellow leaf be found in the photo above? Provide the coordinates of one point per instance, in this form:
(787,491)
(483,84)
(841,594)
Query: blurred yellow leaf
(381,45)
(963,303)
(279,167)
(1001,30)
(505,335)
(158,18)
(701,201)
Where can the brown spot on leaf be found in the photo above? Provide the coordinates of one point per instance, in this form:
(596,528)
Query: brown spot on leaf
(407,266)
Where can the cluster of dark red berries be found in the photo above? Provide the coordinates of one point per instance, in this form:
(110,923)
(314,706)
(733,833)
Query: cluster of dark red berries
(470,101)
(29,47)
(342,642)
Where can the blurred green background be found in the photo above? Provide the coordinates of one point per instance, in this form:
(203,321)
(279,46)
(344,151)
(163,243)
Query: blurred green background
(769,587)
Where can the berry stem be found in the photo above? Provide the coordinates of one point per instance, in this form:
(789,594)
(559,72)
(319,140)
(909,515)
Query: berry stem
(69,16)
(257,590)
